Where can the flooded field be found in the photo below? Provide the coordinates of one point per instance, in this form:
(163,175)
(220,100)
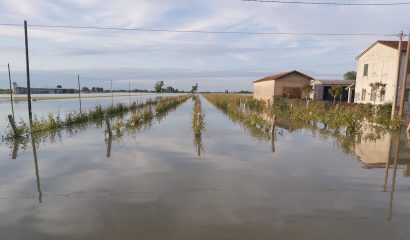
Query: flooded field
(41,108)
(163,180)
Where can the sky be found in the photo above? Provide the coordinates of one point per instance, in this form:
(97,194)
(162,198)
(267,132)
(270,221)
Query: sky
(217,62)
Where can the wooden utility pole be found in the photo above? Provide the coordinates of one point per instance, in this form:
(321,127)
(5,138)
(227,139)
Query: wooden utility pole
(79,90)
(405,73)
(396,88)
(112,95)
(30,115)
(11,92)
(129,87)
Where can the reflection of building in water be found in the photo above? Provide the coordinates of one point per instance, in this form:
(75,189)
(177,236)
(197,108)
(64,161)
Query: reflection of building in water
(58,90)
(374,150)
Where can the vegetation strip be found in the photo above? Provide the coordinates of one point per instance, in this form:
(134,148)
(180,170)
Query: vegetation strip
(197,117)
(53,122)
(350,117)
(238,108)
(198,123)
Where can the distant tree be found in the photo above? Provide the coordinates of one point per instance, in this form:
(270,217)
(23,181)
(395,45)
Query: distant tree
(335,91)
(158,86)
(85,89)
(350,75)
(307,90)
(59,86)
(194,88)
(378,89)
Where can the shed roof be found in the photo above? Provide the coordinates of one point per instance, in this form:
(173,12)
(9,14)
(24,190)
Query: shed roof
(392,44)
(335,82)
(281,75)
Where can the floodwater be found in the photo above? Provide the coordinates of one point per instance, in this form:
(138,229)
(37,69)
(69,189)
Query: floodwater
(307,184)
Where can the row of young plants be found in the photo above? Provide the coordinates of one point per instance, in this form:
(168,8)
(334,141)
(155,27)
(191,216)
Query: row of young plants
(147,114)
(350,117)
(55,122)
(197,117)
(238,109)
(198,123)
(123,123)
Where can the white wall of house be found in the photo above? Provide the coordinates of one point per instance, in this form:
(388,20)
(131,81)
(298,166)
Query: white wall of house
(382,67)
(317,93)
(381,64)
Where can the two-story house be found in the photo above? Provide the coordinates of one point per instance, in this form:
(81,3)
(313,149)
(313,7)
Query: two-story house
(379,63)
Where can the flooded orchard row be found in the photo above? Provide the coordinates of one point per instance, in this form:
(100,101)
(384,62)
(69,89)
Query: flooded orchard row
(231,181)
(41,108)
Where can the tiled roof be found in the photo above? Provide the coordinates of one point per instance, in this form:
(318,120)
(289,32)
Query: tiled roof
(335,82)
(392,44)
(281,75)
(395,44)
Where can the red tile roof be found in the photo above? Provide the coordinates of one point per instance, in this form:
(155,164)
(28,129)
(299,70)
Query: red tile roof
(281,75)
(392,44)
(395,44)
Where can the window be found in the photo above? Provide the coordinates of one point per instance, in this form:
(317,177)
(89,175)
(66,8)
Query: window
(366,70)
(373,95)
(363,95)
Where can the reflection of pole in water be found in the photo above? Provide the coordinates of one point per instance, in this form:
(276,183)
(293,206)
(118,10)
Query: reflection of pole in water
(109,143)
(386,173)
(15,148)
(396,156)
(33,144)
(199,150)
(273,141)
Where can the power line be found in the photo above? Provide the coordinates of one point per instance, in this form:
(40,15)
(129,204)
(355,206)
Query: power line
(330,3)
(202,31)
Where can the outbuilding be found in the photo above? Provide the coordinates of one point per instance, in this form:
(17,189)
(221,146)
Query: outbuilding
(321,89)
(287,84)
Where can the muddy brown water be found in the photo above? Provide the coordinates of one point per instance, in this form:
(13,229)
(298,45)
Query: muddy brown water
(154,185)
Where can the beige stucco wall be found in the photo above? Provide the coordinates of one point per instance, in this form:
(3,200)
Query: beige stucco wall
(382,62)
(264,90)
(292,80)
(267,89)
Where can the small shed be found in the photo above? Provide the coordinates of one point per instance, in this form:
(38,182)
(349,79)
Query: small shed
(287,84)
(321,89)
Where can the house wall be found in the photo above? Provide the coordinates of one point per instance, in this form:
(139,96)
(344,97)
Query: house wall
(264,90)
(317,93)
(382,62)
(293,80)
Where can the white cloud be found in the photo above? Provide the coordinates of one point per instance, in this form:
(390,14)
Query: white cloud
(57,49)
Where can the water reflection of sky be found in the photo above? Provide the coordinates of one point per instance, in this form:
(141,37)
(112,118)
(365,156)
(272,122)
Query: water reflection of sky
(154,186)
